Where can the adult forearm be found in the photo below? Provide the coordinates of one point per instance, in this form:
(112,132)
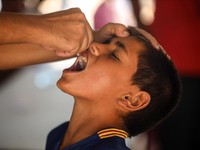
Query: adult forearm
(19,55)
(18,28)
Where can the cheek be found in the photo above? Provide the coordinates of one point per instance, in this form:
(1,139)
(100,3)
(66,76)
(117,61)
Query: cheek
(104,81)
(98,79)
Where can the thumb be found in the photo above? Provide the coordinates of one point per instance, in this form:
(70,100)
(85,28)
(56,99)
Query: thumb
(119,30)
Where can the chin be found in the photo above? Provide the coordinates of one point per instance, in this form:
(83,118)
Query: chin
(65,87)
(61,86)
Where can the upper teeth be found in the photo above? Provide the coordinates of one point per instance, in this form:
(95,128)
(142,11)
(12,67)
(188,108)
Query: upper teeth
(82,60)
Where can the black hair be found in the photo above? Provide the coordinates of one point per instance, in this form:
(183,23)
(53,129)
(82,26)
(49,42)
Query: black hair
(157,75)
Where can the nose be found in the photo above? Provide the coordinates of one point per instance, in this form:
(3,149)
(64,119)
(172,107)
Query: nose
(94,49)
(98,48)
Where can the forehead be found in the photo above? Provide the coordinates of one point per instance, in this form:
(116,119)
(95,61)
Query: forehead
(130,44)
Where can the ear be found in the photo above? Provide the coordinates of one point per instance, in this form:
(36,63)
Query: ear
(135,102)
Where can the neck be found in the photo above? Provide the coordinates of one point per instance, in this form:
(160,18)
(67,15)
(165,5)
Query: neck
(86,120)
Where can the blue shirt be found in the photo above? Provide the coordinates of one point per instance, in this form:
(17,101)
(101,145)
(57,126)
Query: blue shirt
(108,139)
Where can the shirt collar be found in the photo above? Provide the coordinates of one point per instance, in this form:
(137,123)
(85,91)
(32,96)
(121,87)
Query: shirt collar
(106,133)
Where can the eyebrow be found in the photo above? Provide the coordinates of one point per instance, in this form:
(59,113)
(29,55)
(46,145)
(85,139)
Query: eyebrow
(121,46)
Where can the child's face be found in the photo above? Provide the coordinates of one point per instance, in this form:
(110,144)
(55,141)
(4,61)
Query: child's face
(108,71)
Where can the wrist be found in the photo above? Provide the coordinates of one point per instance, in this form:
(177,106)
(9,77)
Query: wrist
(31,29)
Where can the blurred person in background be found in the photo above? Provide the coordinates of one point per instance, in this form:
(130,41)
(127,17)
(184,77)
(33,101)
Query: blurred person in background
(12,5)
(176,27)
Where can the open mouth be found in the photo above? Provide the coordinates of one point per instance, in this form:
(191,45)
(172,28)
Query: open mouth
(80,62)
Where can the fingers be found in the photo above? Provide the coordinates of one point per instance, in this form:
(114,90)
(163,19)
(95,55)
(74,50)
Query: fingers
(119,30)
(108,30)
(61,53)
(163,50)
(153,41)
(149,37)
(75,46)
(70,50)
(67,33)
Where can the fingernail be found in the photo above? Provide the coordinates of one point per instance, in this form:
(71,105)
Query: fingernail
(168,57)
(125,32)
(157,46)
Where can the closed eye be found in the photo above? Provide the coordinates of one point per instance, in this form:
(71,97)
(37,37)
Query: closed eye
(115,56)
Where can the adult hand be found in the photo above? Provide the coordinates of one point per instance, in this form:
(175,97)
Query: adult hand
(77,35)
(100,36)
(153,41)
(68,32)
(108,30)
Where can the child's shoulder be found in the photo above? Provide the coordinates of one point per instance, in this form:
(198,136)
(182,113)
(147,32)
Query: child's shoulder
(56,135)
(61,128)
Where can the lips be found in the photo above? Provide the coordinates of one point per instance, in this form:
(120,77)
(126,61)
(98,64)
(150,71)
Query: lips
(79,64)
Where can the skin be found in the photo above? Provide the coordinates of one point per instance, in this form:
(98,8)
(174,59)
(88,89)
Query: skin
(99,54)
(33,39)
(103,86)
(153,41)
(66,32)
(16,55)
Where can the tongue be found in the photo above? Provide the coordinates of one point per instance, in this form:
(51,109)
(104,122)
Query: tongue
(80,63)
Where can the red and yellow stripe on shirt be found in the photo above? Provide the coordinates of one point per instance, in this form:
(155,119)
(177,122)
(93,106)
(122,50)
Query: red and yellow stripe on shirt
(106,133)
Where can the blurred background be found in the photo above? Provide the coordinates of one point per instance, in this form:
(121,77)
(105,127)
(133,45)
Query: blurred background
(31,104)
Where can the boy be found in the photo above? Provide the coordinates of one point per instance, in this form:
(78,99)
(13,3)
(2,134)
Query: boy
(121,88)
